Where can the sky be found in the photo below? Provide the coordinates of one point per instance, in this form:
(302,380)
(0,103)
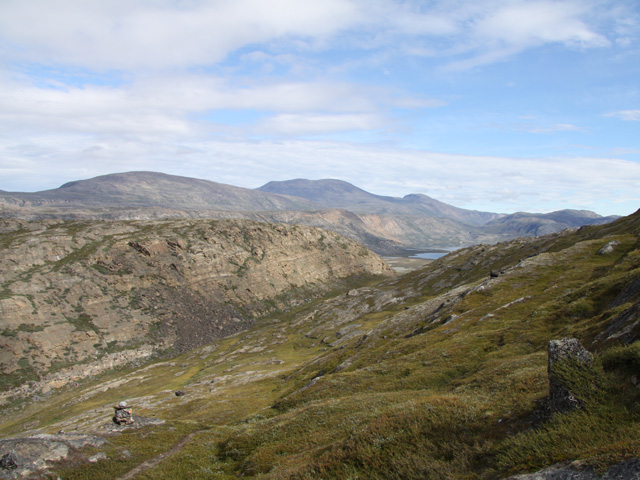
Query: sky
(492,105)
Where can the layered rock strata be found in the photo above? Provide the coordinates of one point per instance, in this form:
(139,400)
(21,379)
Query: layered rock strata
(81,297)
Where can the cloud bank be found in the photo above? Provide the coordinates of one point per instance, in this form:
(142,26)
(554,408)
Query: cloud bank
(388,95)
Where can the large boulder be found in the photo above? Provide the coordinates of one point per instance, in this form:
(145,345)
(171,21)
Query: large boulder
(561,398)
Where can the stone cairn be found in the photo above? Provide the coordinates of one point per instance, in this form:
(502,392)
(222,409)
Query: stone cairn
(123,414)
(561,399)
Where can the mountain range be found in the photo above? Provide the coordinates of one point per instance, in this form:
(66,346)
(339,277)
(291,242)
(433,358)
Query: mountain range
(339,194)
(385,224)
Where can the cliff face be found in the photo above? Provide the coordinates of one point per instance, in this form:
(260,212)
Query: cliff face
(80,297)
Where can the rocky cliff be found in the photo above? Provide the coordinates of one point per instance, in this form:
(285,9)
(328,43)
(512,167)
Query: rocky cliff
(77,298)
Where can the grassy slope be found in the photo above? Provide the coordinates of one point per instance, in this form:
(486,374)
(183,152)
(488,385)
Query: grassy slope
(437,374)
(445,403)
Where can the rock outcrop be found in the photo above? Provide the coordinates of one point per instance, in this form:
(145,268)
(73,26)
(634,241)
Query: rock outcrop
(28,455)
(77,297)
(629,470)
(608,248)
(561,398)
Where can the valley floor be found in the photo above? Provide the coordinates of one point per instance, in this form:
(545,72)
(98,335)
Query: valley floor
(406,264)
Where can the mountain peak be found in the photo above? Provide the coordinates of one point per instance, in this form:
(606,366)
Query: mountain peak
(152,189)
(322,191)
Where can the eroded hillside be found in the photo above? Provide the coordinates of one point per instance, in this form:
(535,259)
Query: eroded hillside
(437,374)
(80,297)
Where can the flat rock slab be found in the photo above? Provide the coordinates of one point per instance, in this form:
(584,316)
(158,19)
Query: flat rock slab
(34,453)
(629,470)
(138,422)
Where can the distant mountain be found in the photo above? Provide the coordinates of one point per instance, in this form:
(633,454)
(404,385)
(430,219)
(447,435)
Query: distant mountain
(426,205)
(536,224)
(150,189)
(339,194)
(384,224)
(327,193)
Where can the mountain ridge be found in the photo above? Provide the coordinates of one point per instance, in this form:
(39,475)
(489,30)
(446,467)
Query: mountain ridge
(340,194)
(152,189)
(386,224)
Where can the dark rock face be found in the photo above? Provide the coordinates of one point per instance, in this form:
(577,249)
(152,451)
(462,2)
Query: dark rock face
(9,461)
(624,327)
(561,399)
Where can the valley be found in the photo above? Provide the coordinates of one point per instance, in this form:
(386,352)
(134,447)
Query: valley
(437,373)
(319,240)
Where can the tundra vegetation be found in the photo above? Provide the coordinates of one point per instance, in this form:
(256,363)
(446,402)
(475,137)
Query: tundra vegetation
(440,373)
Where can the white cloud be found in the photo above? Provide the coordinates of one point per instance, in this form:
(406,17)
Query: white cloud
(629,115)
(92,87)
(499,30)
(178,105)
(531,23)
(152,34)
(309,124)
(558,127)
(147,34)
(623,151)
(410,18)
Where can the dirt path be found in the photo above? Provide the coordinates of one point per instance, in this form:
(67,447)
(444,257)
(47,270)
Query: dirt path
(152,462)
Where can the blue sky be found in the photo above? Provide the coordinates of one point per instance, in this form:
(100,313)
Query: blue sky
(498,105)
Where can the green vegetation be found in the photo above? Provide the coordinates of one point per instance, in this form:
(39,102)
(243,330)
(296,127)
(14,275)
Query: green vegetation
(24,373)
(24,327)
(83,323)
(77,255)
(125,451)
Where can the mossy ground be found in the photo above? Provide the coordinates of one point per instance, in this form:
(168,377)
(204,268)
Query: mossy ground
(455,394)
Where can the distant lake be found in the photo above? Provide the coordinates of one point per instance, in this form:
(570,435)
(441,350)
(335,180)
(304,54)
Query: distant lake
(414,258)
(429,255)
